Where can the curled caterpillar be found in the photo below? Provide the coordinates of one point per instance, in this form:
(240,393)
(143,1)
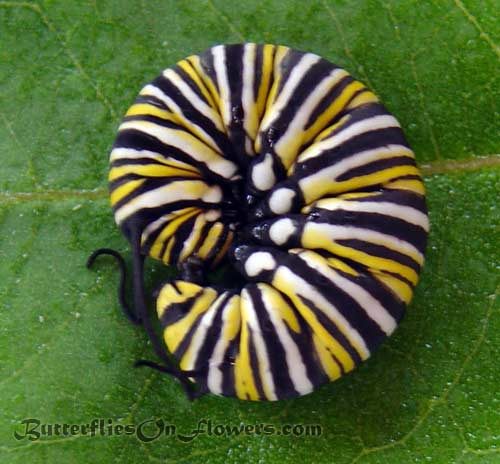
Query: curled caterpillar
(281,168)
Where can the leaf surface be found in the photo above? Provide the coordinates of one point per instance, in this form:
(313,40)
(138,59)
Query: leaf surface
(69,70)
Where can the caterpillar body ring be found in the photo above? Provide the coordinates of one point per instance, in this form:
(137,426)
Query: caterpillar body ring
(279,167)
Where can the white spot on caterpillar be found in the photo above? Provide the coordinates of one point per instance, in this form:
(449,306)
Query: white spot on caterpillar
(281,200)
(213,195)
(258,262)
(281,231)
(263,177)
(212,215)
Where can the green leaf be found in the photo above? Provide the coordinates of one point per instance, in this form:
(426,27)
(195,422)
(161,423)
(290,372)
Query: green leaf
(69,70)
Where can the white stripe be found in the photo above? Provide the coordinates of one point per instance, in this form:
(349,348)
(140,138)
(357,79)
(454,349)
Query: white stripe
(296,367)
(371,306)
(219,53)
(164,195)
(406,213)
(302,287)
(294,79)
(263,365)
(193,98)
(329,174)
(302,115)
(247,95)
(187,143)
(131,153)
(199,222)
(176,109)
(200,333)
(333,233)
(215,374)
(355,129)
(162,220)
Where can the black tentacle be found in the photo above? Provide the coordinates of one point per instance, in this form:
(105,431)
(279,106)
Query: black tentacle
(140,306)
(190,392)
(127,310)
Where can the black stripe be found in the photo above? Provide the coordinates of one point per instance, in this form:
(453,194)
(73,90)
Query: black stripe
(234,72)
(228,376)
(146,247)
(328,100)
(214,333)
(288,62)
(138,140)
(374,221)
(398,197)
(276,354)
(207,64)
(151,100)
(193,115)
(152,184)
(346,305)
(304,341)
(312,77)
(254,365)
(145,216)
(365,141)
(377,290)
(188,338)
(192,84)
(174,312)
(381,252)
(334,332)
(376,166)
(258,68)
(158,121)
(181,237)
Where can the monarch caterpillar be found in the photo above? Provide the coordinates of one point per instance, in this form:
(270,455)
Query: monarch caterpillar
(280,166)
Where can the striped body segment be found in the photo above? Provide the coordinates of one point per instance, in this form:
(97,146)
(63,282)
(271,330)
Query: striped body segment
(281,167)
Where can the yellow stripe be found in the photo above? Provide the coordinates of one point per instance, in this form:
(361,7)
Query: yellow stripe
(413,185)
(125,189)
(276,303)
(149,170)
(180,138)
(326,359)
(247,306)
(287,287)
(326,133)
(266,73)
(195,62)
(313,239)
(168,250)
(145,109)
(362,99)
(402,290)
(193,238)
(335,107)
(175,333)
(332,262)
(355,195)
(169,229)
(211,240)
(187,67)
(341,266)
(243,376)
(316,186)
(169,296)
(224,248)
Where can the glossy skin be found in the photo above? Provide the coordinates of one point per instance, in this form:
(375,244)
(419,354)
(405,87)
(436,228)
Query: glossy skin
(283,167)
